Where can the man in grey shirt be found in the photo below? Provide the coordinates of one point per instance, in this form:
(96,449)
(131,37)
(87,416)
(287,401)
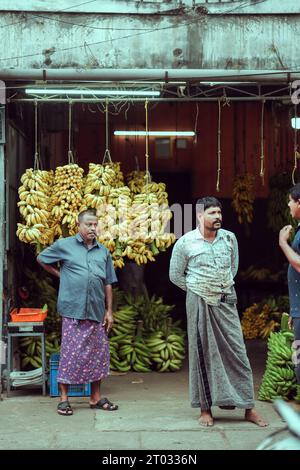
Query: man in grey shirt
(85,303)
(204,263)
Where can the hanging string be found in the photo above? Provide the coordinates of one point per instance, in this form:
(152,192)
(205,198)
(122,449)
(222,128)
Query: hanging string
(296,153)
(219,146)
(147,144)
(70,153)
(196,124)
(107,156)
(37,161)
(262,156)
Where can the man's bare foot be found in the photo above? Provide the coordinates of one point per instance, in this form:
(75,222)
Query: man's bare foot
(206,418)
(253,417)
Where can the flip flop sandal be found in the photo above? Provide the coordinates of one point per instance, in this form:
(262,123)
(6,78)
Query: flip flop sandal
(64,408)
(101,405)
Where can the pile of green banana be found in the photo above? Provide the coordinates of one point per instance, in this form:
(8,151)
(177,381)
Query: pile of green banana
(144,337)
(167,350)
(123,330)
(31,348)
(279,380)
(152,311)
(136,351)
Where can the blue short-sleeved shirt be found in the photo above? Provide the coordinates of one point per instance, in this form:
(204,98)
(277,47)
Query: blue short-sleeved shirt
(83,275)
(294,281)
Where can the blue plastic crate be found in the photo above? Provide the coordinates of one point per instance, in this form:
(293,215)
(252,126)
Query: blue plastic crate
(80,390)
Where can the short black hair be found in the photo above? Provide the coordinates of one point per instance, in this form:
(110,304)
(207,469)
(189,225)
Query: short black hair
(294,192)
(90,212)
(207,202)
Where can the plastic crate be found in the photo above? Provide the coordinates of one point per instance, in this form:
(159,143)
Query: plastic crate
(28,315)
(80,390)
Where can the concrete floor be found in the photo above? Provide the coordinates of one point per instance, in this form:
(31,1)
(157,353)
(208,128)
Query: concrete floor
(154,413)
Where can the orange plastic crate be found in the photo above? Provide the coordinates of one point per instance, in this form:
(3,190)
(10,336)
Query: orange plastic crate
(28,314)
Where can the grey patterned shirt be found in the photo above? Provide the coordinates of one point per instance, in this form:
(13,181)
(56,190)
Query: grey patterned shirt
(205,268)
(84,273)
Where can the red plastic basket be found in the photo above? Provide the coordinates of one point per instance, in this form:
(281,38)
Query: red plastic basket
(28,314)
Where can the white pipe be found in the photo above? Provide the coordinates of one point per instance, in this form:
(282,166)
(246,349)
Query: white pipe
(167,75)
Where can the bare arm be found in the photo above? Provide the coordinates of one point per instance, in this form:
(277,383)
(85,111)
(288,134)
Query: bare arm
(292,257)
(108,318)
(50,268)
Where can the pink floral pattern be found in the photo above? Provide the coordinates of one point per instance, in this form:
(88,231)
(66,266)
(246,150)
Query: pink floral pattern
(84,355)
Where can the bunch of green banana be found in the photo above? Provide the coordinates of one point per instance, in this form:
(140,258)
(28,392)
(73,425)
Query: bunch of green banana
(153,311)
(115,362)
(297,393)
(167,350)
(31,348)
(135,350)
(124,321)
(279,379)
(122,330)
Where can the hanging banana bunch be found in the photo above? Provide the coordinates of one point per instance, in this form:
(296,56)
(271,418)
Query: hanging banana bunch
(34,207)
(243,197)
(66,198)
(136,180)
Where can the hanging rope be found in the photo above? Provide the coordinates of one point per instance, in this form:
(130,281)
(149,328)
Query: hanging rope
(296,153)
(219,146)
(107,156)
(147,144)
(262,156)
(37,161)
(70,153)
(196,125)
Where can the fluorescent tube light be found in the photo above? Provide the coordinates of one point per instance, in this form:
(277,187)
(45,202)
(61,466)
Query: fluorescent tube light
(295,123)
(102,92)
(157,133)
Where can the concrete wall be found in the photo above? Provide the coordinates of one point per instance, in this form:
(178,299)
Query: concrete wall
(165,34)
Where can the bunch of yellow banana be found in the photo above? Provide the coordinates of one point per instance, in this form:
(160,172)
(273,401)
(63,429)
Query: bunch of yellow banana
(66,198)
(254,320)
(136,180)
(243,197)
(34,194)
(167,350)
(279,379)
(101,178)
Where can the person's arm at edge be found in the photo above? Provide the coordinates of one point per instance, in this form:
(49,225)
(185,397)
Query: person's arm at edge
(292,257)
(49,268)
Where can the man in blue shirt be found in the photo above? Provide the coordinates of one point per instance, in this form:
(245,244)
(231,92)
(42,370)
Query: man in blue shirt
(85,303)
(292,254)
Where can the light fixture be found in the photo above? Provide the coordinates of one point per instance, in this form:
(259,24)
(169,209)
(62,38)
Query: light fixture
(295,122)
(224,83)
(89,92)
(156,133)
